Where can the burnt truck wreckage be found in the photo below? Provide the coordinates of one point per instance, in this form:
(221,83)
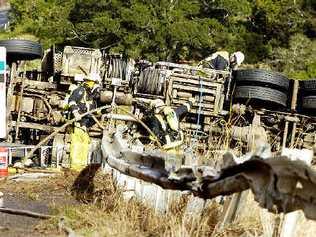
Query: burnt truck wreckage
(230,109)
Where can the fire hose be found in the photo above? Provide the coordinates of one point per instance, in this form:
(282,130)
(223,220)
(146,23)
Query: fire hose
(46,139)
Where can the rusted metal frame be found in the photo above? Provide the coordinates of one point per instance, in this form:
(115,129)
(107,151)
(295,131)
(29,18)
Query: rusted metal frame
(208,79)
(186,88)
(217,106)
(44,92)
(39,119)
(228,86)
(293,135)
(181,83)
(37,84)
(19,112)
(294,95)
(203,105)
(293,108)
(36,126)
(175,65)
(285,134)
(122,117)
(296,115)
(140,95)
(184,96)
(168,92)
(45,102)
(193,82)
(294,120)
(206,112)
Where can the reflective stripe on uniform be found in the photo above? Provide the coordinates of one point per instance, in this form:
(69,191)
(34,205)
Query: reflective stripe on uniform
(86,101)
(66,103)
(171,118)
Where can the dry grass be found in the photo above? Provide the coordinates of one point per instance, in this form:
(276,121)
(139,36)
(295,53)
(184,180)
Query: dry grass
(102,211)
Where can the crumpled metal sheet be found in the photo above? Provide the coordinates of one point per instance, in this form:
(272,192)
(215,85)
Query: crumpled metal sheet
(278,184)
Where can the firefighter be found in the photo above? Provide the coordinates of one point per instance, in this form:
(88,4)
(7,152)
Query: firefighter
(218,61)
(221,60)
(81,100)
(164,122)
(77,82)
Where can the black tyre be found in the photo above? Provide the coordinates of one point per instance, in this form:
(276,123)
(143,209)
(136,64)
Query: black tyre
(309,102)
(309,85)
(22,50)
(257,95)
(261,77)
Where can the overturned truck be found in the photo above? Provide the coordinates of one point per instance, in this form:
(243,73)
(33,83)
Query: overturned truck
(227,106)
(230,110)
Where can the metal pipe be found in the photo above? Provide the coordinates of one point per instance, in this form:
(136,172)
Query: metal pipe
(21,105)
(17,125)
(293,135)
(230,78)
(120,98)
(114,96)
(122,117)
(286,130)
(294,95)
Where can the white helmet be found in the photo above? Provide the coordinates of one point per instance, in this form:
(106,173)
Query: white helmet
(237,57)
(157,105)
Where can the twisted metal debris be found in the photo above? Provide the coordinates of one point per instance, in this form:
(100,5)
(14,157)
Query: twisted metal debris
(278,184)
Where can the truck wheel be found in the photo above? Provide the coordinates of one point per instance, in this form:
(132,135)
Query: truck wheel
(260,94)
(309,102)
(261,77)
(22,50)
(309,85)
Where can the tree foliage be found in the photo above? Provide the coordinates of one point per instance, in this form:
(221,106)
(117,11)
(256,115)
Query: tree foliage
(281,32)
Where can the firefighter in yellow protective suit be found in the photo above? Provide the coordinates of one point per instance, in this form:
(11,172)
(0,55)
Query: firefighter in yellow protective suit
(81,100)
(164,122)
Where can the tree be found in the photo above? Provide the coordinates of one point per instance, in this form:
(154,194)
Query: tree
(157,30)
(47,20)
(299,60)
(172,29)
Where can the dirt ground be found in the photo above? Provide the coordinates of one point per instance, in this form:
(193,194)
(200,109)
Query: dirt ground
(91,205)
(41,196)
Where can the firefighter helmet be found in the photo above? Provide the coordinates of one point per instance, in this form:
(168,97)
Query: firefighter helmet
(237,58)
(157,105)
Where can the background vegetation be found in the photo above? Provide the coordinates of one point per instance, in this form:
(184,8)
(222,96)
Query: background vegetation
(280,33)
